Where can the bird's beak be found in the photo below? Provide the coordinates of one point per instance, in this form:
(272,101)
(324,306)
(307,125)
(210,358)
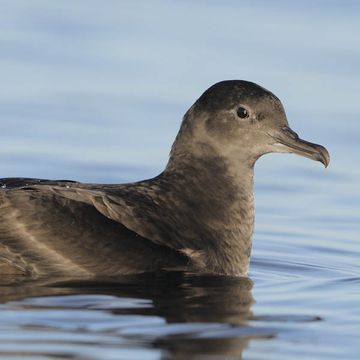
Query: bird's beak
(289,141)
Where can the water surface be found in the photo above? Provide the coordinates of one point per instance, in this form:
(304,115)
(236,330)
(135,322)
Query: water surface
(95,92)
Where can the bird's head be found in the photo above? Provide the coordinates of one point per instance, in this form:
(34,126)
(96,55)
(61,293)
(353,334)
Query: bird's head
(242,121)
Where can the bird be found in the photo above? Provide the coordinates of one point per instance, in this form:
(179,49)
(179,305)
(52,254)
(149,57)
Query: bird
(197,215)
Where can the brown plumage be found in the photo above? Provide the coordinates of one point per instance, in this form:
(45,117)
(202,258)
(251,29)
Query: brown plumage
(197,215)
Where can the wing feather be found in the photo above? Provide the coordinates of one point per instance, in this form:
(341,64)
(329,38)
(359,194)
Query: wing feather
(56,229)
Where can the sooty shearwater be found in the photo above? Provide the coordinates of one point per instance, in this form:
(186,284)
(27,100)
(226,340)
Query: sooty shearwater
(197,215)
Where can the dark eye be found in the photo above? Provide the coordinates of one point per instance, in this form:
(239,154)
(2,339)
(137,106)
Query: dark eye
(242,113)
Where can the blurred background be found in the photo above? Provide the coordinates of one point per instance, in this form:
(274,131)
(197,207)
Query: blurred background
(95,91)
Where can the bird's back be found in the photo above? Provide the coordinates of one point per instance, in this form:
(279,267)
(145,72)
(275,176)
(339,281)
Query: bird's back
(53,227)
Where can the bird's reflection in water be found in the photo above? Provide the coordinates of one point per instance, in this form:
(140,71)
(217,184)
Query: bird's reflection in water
(201,314)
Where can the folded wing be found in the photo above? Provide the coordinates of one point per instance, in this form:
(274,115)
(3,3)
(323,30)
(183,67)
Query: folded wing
(68,228)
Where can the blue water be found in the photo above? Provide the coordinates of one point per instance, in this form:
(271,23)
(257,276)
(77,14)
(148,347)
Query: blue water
(95,91)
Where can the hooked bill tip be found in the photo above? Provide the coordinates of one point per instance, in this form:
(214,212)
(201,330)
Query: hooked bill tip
(324,155)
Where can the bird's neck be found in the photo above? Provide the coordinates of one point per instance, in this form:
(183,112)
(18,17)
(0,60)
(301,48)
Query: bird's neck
(218,199)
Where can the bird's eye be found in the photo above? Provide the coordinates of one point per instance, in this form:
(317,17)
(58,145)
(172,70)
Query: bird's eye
(242,113)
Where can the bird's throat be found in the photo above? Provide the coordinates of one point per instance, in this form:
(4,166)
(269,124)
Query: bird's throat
(218,200)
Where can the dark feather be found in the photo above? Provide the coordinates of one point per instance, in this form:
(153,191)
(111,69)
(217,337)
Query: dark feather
(52,229)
